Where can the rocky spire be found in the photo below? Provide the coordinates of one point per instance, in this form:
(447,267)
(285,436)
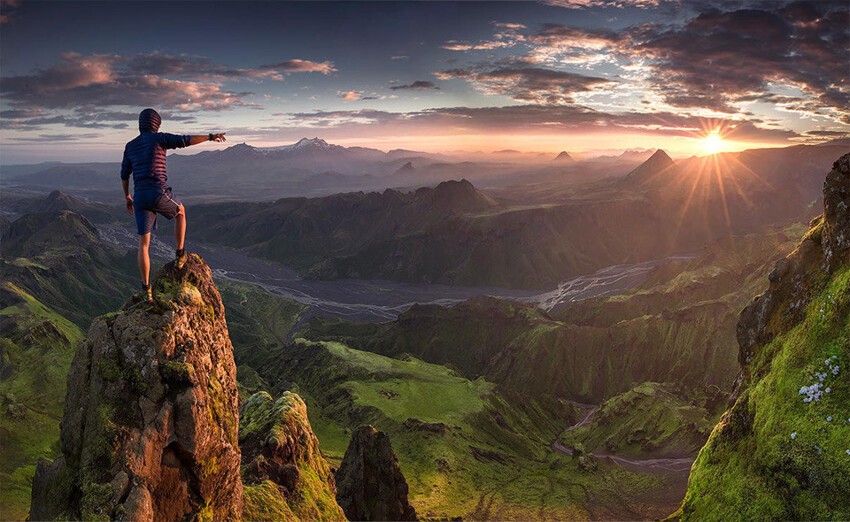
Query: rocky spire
(150,428)
(371,485)
(280,448)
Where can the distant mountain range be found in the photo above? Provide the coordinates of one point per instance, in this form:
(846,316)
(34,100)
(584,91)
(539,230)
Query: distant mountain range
(310,167)
(456,234)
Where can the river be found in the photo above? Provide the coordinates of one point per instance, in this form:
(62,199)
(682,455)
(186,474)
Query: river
(378,300)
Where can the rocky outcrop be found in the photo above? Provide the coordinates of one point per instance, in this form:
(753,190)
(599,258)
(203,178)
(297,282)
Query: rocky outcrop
(281,453)
(369,481)
(780,452)
(794,280)
(150,427)
(836,227)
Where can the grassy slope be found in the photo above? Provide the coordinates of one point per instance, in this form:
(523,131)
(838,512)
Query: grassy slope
(804,476)
(650,419)
(677,327)
(481,455)
(50,298)
(36,346)
(511,473)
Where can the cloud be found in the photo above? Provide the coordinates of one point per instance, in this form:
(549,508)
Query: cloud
(418,85)
(8,9)
(506,35)
(828,133)
(524,82)
(721,58)
(350,95)
(558,44)
(544,119)
(785,54)
(183,83)
(50,138)
(297,65)
(584,4)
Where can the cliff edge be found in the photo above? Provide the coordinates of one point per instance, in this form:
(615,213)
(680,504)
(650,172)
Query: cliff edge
(782,451)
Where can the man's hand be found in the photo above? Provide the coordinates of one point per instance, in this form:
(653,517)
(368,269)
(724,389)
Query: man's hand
(129,202)
(217,137)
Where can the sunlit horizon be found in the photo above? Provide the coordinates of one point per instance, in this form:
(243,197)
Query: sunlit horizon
(589,78)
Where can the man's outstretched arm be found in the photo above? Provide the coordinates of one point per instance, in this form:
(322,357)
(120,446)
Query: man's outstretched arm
(200,138)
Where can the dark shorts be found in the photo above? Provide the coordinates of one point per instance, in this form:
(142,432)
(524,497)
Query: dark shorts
(149,203)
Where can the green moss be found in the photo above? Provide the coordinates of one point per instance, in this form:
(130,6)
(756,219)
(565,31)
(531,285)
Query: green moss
(520,478)
(178,372)
(132,375)
(648,419)
(35,357)
(313,498)
(775,455)
(220,413)
(94,504)
(108,369)
(265,501)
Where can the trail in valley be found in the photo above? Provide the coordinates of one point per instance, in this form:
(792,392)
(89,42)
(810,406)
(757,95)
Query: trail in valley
(657,503)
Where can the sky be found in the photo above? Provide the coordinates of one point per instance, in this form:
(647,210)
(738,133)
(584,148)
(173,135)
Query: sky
(586,76)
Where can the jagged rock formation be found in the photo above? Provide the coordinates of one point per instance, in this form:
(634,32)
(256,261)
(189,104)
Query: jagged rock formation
(289,479)
(150,425)
(781,451)
(369,480)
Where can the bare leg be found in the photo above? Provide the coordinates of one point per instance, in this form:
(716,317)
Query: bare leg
(144,258)
(180,227)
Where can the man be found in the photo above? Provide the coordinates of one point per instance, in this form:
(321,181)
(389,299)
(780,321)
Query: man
(144,158)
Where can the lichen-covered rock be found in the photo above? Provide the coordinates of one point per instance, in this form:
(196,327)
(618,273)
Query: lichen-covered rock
(836,200)
(286,476)
(151,415)
(782,451)
(369,481)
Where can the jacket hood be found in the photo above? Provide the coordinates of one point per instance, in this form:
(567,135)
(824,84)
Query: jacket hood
(149,121)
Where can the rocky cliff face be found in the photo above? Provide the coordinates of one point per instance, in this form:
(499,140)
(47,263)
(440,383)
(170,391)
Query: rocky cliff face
(781,451)
(371,485)
(150,428)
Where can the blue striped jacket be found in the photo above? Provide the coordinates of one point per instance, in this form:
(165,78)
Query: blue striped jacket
(144,158)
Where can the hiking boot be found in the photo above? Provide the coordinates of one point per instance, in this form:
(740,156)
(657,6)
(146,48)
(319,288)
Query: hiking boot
(180,258)
(147,292)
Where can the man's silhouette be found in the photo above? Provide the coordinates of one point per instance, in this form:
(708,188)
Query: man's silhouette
(144,158)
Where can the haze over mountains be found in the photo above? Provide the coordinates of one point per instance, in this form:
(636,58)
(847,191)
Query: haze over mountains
(313,166)
(539,226)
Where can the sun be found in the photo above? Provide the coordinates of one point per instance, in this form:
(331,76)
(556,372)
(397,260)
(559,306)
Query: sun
(713,142)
